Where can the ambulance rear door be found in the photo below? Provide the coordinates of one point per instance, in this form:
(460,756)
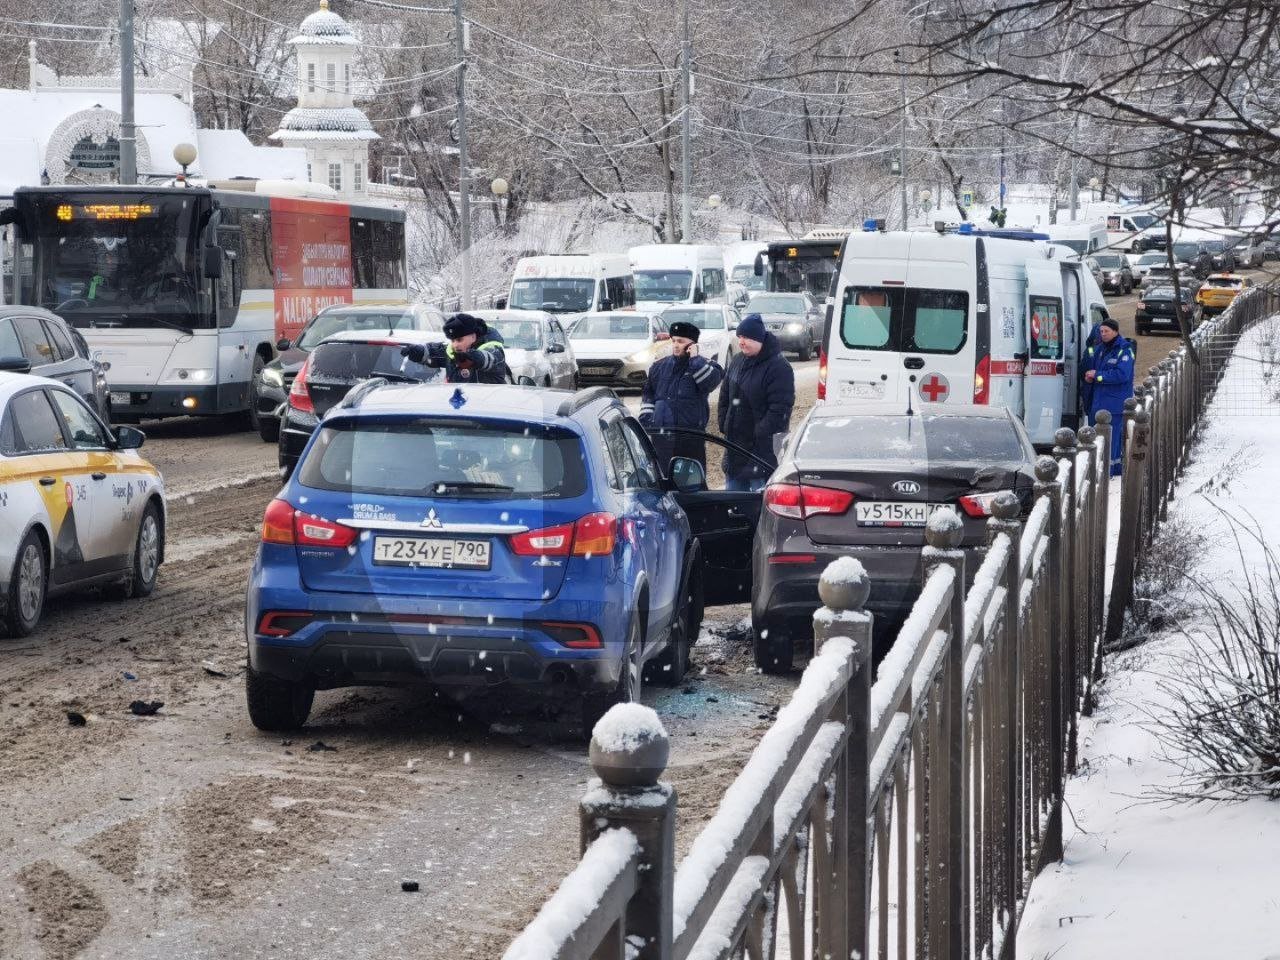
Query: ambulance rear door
(1043,384)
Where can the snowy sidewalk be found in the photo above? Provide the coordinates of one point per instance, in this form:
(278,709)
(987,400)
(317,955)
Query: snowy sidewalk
(1143,878)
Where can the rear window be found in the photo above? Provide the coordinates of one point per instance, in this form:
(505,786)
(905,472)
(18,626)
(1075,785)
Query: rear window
(907,320)
(347,362)
(338,321)
(922,439)
(446,458)
(1227,282)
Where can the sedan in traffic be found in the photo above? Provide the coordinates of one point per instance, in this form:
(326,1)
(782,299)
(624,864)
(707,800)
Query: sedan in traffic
(616,348)
(1116,273)
(794,318)
(536,347)
(862,480)
(42,343)
(715,322)
(1156,309)
(270,388)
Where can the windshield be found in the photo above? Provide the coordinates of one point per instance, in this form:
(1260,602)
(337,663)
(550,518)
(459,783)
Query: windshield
(802,269)
(1109,261)
(1185,251)
(434,458)
(702,319)
(326,325)
(113,259)
(776,304)
(518,334)
(921,439)
(553,294)
(1079,246)
(1142,220)
(612,326)
(663,286)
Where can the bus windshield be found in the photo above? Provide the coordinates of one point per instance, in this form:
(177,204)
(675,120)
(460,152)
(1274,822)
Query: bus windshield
(117,259)
(554,295)
(803,267)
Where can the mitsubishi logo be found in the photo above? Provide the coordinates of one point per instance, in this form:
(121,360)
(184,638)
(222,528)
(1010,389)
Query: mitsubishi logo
(432,522)
(906,486)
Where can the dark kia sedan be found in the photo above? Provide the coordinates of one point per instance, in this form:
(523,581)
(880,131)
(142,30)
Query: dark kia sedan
(336,365)
(861,480)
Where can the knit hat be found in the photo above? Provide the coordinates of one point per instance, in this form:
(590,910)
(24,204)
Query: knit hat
(1108,322)
(461,324)
(682,328)
(752,327)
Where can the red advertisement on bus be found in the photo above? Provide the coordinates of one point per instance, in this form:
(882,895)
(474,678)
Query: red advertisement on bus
(311,253)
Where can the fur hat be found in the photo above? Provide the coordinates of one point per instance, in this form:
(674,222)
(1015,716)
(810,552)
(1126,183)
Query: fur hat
(682,328)
(461,324)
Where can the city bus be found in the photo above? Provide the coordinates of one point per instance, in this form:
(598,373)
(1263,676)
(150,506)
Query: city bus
(807,265)
(185,291)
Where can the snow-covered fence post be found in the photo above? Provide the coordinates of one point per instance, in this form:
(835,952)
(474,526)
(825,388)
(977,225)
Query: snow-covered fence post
(1007,696)
(945,842)
(1096,442)
(1071,589)
(1150,495)
(629,752)
(1048,487)
(1127,544)
(843,927)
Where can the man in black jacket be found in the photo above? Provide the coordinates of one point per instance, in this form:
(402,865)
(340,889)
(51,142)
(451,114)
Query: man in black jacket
(473,354)
(756,400)
(675,395)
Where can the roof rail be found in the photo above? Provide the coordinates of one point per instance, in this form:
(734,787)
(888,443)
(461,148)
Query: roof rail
(357,394)
(583,397)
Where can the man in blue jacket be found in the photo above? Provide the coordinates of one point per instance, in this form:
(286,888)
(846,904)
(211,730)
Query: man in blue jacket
(1108,374)
(675,395)
(756,400)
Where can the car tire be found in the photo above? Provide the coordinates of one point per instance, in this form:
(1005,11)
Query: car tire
(277,705)
(269,429)
(805,352)
(252,418)
(148,548)
(773,648)
(628,688)
(669,667)
(28,587)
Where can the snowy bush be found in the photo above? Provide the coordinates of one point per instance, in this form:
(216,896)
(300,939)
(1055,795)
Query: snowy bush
(1224,723)
(1162,595)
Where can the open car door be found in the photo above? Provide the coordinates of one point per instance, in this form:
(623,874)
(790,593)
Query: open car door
(724,521)
(1043,389)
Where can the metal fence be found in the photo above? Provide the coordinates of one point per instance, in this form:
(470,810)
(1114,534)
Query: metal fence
(905,818)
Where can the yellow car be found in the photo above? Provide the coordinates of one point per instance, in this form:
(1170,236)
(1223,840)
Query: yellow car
(78,506)
(1218,290)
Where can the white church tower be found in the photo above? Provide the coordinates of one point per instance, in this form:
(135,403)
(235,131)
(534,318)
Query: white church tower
(326,123)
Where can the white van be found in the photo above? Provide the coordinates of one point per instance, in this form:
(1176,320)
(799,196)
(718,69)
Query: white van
(923,318)
(667,273)
(1083,238)
(572,284)
(1124,229)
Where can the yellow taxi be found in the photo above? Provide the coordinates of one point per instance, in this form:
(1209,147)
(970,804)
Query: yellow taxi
(79,507)
(1219,289)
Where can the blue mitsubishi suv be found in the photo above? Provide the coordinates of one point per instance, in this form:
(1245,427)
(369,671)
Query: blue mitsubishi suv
(483,536)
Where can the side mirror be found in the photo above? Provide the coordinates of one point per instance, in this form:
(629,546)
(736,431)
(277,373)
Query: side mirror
(283,344)
(688,475)
(128,438)
(212,262)
(15,364)
(606,306)
(555,348)
(699,296)
(500,303)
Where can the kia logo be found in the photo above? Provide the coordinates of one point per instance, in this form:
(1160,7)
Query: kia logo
(906,486)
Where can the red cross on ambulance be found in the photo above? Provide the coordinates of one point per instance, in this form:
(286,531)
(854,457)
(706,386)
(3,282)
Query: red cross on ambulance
(934,388)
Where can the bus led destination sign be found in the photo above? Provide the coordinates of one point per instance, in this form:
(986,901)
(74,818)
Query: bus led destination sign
(104,211)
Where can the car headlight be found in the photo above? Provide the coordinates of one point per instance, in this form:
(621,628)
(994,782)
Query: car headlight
(273,376)
(640,356)
(190,374)
(794,327)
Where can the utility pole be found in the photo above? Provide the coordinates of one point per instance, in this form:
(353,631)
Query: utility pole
(686,156)
(1004,130)
(464,161)
(1075,182)
(128,131)
(902,145)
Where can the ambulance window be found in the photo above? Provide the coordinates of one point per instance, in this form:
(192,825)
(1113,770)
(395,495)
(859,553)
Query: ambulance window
(867,319)
(936,321)
(1046,328)
(37,427)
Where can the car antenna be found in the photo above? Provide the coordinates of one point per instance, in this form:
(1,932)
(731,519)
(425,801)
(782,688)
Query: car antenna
(910,412)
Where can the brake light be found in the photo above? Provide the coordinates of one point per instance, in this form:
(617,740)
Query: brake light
(577,636)
(979,504)
(822,373)
(277,523)
(299,396)
(591,536)
(982,381)
(800,501)
(790,558)
(546,542)
(283,524)
(594,535)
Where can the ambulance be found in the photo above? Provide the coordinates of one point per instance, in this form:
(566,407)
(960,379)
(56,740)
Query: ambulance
(987,317)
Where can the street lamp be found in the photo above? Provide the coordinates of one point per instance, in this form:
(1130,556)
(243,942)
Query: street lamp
(499,188)
(185,155)
(714,201)
(925,196)
(1094,184)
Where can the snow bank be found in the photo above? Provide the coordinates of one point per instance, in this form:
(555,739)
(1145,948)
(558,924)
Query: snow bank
(578,895)
(627,727)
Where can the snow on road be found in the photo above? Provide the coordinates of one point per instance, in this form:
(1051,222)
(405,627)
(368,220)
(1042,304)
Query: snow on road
(1148,879)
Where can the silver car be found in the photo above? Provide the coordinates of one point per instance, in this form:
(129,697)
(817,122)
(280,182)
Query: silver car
(536,346)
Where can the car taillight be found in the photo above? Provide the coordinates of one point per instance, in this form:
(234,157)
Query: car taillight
(594,535)
(822,374)
(797,501)
(591,536)
(979,504)
(299,396)
(283,524)
(277,523)
(982,381)
(547,542)
(282,623)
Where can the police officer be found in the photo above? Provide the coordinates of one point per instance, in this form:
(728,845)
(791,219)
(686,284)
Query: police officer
(1108,375)
(473,354)
(675,395)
